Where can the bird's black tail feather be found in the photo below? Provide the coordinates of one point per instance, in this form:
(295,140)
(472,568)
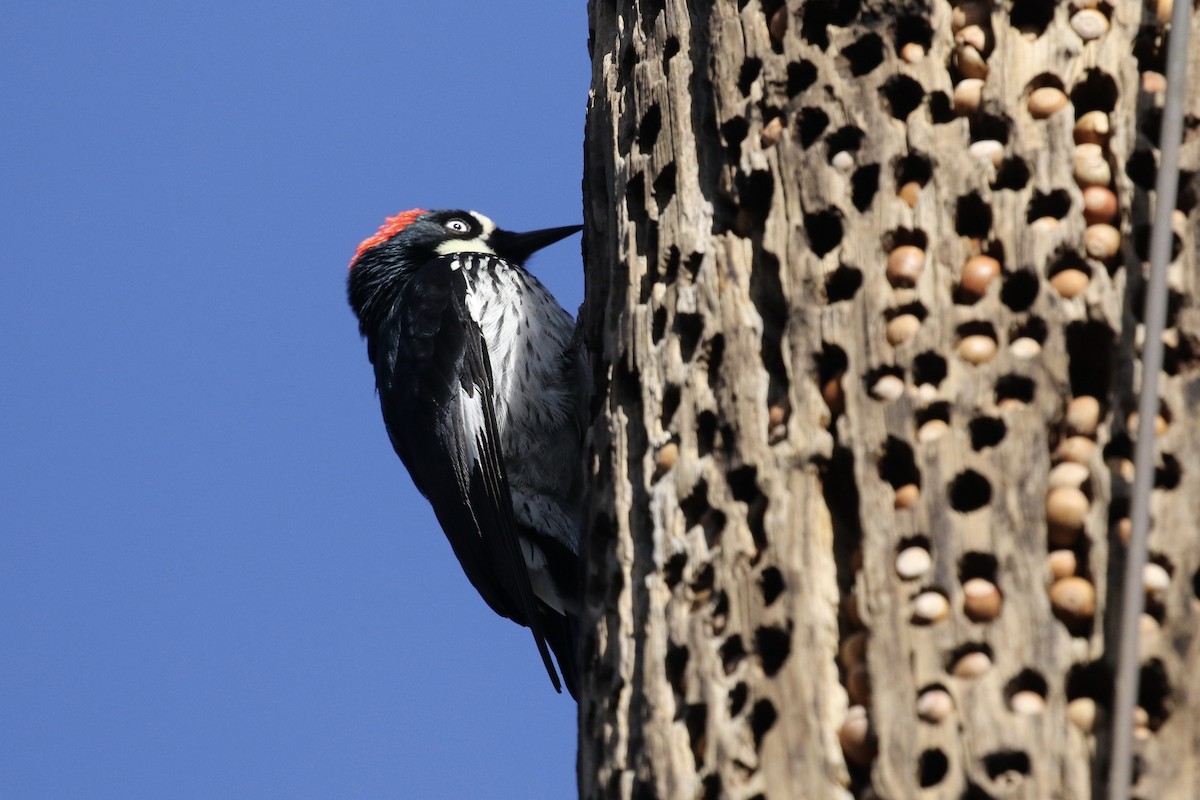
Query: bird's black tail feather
(562,634)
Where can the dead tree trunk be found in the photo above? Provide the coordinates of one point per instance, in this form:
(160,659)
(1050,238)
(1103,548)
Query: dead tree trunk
(863,286)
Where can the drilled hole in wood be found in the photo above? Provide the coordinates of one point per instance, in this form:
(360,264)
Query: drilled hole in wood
(1054,204)
(733,133)
(664,186)
(676,666)
(800,75)
(733,652)
(1027,680)
(771,584)
(695,718)
(670,48)
(843,283)
(712,786)
(986,432)
(973,216)
(964,650)
(930,368)
(748,74)
(737,698)
(706,433)
(1012,174)
(1031,16)
(903,95)
(817,16)
(864,183)
(1019,290)
(658,326)
(1091,679)
(989,126)
(810,124)
(897,466)
(1090,350)
(941,109)
(689,328)
(864,55)
(1142,168)
(774,645)
(649,128)
(1168,473)
(913,168)
(673,569)
(635,198)
(762,718)
(969,491)
(1004,763)
(915,30)
(934,411)
(824,230)
(932,767)
(900,237)
(847,139)
(1141,247)
(1014,389)
(714,357)
(1096,92)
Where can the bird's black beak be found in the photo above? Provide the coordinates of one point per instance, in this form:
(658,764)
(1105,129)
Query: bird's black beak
(519,246)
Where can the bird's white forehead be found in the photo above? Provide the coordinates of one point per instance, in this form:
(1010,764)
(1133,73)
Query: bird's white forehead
(488,225)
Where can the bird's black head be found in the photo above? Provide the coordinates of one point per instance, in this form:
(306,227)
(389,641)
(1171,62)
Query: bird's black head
(385,260)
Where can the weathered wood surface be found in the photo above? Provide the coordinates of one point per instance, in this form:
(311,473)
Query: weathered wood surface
(750,169)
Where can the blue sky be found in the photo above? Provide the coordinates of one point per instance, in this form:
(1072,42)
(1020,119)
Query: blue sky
(215,577)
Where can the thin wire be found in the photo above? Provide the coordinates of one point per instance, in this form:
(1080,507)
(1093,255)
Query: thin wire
(1133,600)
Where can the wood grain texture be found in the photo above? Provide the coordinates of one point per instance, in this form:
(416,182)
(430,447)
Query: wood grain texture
(752,169)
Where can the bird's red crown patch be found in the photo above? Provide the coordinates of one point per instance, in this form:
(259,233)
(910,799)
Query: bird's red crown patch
(390,227)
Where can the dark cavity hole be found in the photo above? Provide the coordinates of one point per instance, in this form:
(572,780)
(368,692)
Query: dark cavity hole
(831,362)
(843,283)
(932,767)
(1031,16)
(1054,204)
(676,666)
(864,55)
(635,198)
(900,236)
(1004,761)
(914,167)
(1012,175)
(737,698)
(1026,680)
(810,124)
(1014,387)
(969,491)
(977,565)
(706,433)
(732,653)
(669,50)
(800,76)
(673,569)
(1096,92)
(649,128)
(771,584)
(1142,169)
(664,186)
(986,432)
(938,411)
(751,69)
(689,328)
(863,186)
(695,504)
(1020,289)
(733,133)
(774,646)
(897,466)
(929,367)
(824,230)
(846,139)
(973,216)
(696,720)
(1168,474)
(941,110)
(903,95)
(913,29)
(1092,680)
(762,718)
(989,126)
(1090,348)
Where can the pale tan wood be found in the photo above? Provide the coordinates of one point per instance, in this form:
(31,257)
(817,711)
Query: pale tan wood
(745,456)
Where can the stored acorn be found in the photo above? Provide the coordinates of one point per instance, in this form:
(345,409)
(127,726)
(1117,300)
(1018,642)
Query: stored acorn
(906,496)
(1046,101)
(968,96)
(904,265)
(1083,415)
(1027,703)
(1099,205)
(934,705)
(1066,514)
(972,665)
(988,150)
(1073,599)
(1092,127)
(977,349)
(930,607)
(855,736)
(1090,167)
(982,600)
(1089,23)
(977,274)
(1102,241)
(913,562)
(1070,282)
(901,328)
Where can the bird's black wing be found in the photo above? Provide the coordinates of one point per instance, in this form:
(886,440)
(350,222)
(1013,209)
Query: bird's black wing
(436,388)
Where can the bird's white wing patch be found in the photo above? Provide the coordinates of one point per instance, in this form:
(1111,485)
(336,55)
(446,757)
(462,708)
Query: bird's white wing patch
(473,424)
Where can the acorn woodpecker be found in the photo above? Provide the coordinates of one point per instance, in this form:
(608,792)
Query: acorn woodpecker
(482,385)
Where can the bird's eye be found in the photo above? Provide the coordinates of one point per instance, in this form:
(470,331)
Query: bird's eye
(458,226)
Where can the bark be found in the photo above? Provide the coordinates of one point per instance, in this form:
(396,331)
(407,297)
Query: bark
(821,561)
